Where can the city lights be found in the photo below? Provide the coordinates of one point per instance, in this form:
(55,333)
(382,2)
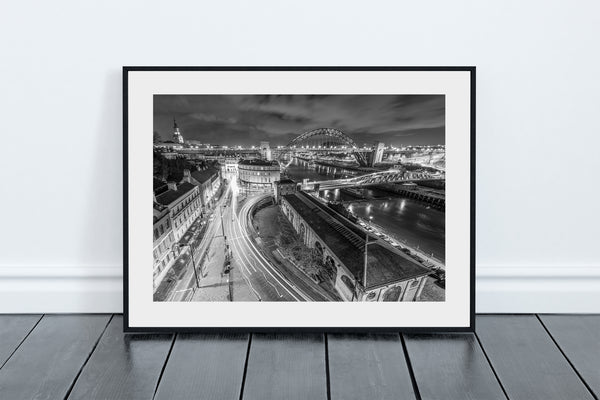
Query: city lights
(243,208)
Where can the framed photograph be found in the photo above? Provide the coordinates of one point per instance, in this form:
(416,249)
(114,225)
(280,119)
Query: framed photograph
(299,198)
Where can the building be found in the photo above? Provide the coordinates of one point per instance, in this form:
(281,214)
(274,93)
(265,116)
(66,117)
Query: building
(169,149)
(207,180)
(265,151)
(390,274)
(229,164)
(163,242)
(177,137)
(258,174)
(377,154)
(184,205)
(283,187)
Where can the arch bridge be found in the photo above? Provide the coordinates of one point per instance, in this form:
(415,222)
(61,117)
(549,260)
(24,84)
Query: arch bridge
(389,176)
(325,139)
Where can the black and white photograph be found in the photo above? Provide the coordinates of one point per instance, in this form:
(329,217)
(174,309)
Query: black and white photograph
(298,198)
(291,197)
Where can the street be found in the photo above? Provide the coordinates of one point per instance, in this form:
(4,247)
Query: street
(252,277)
(266,282)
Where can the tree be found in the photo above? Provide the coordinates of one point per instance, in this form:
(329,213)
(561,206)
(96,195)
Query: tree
(328,272)
(308,259)
(165,168)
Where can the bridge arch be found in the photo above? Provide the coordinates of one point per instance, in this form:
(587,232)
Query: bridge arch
(329,132)
(328,138)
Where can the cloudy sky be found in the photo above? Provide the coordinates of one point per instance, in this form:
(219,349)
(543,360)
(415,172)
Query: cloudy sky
(246,120)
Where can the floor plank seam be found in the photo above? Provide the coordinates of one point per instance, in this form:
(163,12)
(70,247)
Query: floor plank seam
(246,366)
(21,342)
(87,358)
(327,375)
(567,358)
(164,367)
(491,366)
(411,372)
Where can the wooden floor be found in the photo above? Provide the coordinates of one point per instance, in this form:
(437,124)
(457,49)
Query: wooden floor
(511,356)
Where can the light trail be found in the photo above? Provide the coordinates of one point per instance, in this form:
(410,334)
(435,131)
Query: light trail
(260,263)
(242,267)
(265,263)
(239,248)
(236,248)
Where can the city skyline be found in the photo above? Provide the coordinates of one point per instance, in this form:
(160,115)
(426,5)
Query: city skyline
(246,119)
(270,222)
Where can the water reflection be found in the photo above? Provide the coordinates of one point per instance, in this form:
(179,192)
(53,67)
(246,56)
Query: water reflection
(407,221)
(404,219)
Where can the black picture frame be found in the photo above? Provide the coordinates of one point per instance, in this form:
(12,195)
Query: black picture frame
(178,329)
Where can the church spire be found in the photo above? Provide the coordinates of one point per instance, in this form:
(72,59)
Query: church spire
(177,137)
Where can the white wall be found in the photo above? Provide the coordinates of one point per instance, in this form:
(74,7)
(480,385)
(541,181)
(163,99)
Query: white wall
(538,135)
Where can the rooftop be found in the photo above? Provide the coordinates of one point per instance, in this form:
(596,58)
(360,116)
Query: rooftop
(204,175)
(159,212)
(347,241)
(159,186)
(258,161)
(171,196)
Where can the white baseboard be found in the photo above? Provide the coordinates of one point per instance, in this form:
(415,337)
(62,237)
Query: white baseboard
(50,289)
(499,289)
(562,289)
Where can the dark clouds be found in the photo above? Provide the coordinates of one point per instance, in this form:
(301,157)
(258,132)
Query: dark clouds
(246,120)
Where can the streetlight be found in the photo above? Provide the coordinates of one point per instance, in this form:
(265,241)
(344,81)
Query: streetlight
(366,256)
(179,246)
(364,282)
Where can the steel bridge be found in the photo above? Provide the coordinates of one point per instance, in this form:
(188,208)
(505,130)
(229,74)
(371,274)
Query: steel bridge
(389,176)
(325,139)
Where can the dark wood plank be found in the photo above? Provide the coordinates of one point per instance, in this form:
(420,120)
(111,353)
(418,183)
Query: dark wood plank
(286,366)
(368,366)
(46,364)
(123,366)
(13,329)
(526,360)
(205,367)
(579,338)
(451,366)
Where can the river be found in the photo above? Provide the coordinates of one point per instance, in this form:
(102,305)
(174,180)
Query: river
(407,220)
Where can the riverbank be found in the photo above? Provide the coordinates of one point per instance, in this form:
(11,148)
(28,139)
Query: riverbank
(403,245)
